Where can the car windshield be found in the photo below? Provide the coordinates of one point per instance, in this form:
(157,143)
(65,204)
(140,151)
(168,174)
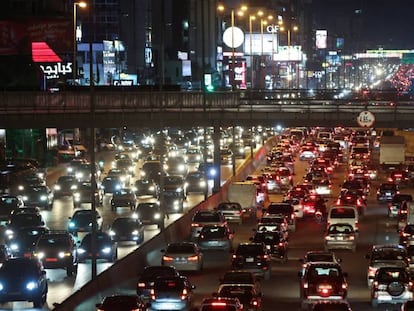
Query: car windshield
(219,306)
(172,285)
(124,223)
(331,307)
(252,250)
(206,217)
(180,248)
(340,229)
(312,257)
(328,271)
(26,220)
(229,206)
(54,241)
(388,187)
(244,293)
(280,209)
(15,268)
(267,237)
(120,303)
(342,213)
(390,275)
(389,254)
(409,229)
(153,272)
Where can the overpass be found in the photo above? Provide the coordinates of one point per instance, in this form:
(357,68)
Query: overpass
(104,108)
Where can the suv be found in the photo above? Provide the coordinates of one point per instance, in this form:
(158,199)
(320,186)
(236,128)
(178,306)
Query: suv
(221,304)
(248,294)
(148,276)
(322,281)
(169,291)
(386,191)
(252,257)
(57,250)
(391,285)
(232,211)
(391,255)
(205,217)
(286,209)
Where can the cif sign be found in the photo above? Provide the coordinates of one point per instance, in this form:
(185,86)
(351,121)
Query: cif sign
(272,28)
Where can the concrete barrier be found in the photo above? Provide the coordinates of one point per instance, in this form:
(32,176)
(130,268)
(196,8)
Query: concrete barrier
(133,264)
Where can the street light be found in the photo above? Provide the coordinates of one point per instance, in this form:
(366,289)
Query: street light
(251,19)
(289,30)
(80,4)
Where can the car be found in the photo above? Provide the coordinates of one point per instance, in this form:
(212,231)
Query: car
(322,281)
(83,194)
(176,166)
(318,256)
(171,293)
(391,255)
(40,196)
(31,285)
(284,177)
(209,169)
(74,164)
(110,184)
(64,186)
(396,202)
(221,304)
(343,214)
(386,191)
(205,217)
(145,187)
(271,219)
(150,213)
(247,294)
(124,197)
(216,237)
(121,303)
(406,235)
(126,165)
(252,257)
(275,242)
(8,204)
(340,236)
(284,209)
(149,275)
(193,155)
(399,177)
(391,285)
(127,229)
(313,203)
(106,248)
(331,306)
(350,198)
(151,170)
(196,182)
(22,242)
(121,174)
(232,211)
(239,277)
(184,256)
(57,250)
(81,221)
(21,220)
(5,253)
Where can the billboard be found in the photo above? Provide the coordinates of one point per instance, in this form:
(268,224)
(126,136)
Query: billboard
(16,36)
(321,39)
(270,44)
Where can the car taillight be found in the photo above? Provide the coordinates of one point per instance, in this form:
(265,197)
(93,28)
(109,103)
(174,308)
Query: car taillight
(410,285)
(152,294)
(195,225)
(167,258)
(344,286)
(219,304)
(141,284)
(280,244)
(254,303)
(193,258)
(305,285)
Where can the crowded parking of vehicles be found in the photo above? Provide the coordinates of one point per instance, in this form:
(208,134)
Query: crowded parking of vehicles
(279,237)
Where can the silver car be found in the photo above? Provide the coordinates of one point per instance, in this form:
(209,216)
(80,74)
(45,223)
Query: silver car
(184,256)
(340,236)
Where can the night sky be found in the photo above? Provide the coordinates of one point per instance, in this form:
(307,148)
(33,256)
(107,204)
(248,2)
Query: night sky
(386,23)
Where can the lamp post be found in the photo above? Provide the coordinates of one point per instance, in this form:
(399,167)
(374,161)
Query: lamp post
(239,12)
(80,4)
(251,19)
(289,30)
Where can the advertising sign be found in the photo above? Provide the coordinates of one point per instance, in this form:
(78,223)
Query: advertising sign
(321,39)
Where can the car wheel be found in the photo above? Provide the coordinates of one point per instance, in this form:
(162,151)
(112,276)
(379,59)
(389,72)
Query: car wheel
(38,302)
(374,303)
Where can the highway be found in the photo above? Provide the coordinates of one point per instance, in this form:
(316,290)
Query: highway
(281,292)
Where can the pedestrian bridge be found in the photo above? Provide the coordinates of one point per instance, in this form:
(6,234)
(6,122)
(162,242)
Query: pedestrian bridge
(98,108)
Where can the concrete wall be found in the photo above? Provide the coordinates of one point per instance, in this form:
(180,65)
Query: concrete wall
(132,265)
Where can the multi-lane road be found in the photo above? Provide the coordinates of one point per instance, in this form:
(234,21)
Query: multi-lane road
(281,292)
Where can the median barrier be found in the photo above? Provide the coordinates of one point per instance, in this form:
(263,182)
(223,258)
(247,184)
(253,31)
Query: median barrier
(132,265)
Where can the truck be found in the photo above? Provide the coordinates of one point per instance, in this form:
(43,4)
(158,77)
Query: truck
(246,194)
(391,151)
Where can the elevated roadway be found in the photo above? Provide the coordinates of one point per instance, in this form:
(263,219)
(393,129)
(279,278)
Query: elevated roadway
(153,109)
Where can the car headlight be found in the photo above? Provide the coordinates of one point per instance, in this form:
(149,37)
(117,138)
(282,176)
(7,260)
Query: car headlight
(112,233)
(57,187)
(14,247)
(179,189)
(135,232)
(1,286)
(73,187)
(106,250)
(40,255)
(31,285)
(79,175)
(70,169)
(20,187)
(63,254)
(72,224)
(81,251)
(25,198)
(151,188)
(135,215)
(142,173)
(157,216)
(131,168)
(43,197)
(202,184)
(181,167)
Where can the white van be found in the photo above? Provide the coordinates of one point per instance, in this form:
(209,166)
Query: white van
(343,214)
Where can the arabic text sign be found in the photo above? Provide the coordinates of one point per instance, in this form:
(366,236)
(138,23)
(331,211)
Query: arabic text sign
(54,71)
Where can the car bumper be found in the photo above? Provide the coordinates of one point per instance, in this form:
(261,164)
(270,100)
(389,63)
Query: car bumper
(385,297)
(340,245)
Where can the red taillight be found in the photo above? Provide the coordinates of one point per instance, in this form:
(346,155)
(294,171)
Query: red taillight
(192,258)
(167,258)
(195,225)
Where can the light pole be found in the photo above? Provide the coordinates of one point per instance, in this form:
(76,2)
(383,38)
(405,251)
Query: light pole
(289,30)
(80,4)
(251,19)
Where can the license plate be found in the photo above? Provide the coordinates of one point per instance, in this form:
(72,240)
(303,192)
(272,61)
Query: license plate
(387,193)
(249,259)
(213,243)
(339,238)
(51,260)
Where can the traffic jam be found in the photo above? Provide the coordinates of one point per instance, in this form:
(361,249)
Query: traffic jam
(326,179)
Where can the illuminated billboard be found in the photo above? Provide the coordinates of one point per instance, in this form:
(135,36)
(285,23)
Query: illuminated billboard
(321,39)
(270,44)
